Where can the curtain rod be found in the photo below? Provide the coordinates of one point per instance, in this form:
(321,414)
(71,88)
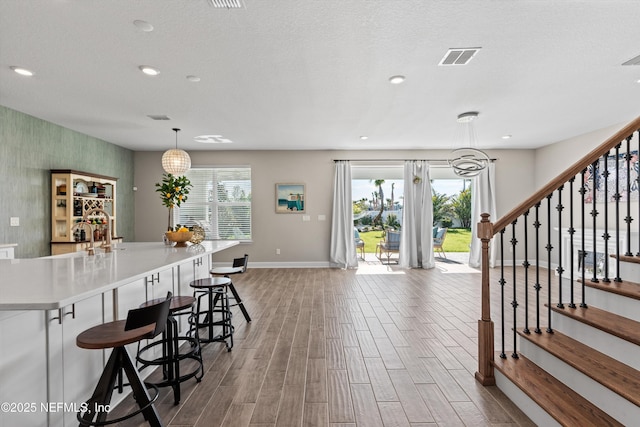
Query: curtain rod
(395,160)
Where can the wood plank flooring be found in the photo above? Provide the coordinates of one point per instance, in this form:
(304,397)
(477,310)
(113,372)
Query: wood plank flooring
(377,346)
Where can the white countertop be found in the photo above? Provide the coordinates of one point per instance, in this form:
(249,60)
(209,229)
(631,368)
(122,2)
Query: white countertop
(57,281)
(8,245)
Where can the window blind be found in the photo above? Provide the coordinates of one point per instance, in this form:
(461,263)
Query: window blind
(220,202)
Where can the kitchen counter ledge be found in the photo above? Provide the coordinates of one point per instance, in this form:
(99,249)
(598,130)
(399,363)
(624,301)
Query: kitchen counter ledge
(54,282)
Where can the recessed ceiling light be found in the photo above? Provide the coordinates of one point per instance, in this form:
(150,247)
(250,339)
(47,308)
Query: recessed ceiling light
(150,71)
(212,139)
(22,71)
(363,137)
(506,136)
(143,25)
(396,79)
(193,78)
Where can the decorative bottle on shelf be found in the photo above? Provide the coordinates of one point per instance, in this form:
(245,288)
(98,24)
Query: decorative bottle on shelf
(77,208)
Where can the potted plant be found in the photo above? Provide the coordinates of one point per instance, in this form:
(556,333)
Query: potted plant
(174,191)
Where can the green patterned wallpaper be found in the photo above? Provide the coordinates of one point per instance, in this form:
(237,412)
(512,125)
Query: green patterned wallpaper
(29,148)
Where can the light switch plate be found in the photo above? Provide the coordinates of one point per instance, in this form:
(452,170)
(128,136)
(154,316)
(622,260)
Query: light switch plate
(306,217)
(15,221)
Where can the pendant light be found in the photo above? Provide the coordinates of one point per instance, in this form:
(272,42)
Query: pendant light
(468,161)
(176,161)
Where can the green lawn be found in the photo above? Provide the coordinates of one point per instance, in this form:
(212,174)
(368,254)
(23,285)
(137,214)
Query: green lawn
(457,240)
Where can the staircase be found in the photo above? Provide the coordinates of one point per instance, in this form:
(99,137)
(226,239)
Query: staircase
(569,317)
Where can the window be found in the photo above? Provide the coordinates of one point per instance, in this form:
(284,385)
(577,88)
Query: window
(220,202)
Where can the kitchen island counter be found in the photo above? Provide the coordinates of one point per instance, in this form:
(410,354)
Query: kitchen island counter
(46,302)
(57,281)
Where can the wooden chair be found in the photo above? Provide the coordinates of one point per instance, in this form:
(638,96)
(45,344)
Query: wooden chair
(438,241)
(391,245)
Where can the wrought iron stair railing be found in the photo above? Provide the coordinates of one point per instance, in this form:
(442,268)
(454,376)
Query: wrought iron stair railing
(581,222)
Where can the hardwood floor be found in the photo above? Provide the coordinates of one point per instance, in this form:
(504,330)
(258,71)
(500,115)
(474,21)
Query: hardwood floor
(377,346)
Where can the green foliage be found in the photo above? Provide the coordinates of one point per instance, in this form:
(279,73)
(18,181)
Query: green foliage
(366,220)
(378,219)
(461,207)
(359,206)
(173,190)
(392,222)
(441,207)
(371,239)
(457,240)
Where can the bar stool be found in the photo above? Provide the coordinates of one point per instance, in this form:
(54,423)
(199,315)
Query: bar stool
(170,342)
(141,323)
(215,290)
(239,266)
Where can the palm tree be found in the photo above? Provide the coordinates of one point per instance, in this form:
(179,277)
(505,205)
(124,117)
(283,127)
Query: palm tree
(461,207)
(393,184)
(441,207)
(378,219)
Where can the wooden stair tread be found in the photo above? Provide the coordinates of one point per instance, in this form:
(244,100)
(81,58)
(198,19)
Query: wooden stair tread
(624,288)
(563,404)
(615,375)
(627,258)
(621,327)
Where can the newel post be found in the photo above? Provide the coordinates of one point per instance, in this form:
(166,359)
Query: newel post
(485,324)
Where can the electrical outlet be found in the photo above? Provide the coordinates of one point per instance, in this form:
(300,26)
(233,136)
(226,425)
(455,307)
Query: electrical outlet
(15,221)
(277,251)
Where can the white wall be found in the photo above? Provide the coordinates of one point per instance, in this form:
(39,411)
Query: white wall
(552,159)
(301,243)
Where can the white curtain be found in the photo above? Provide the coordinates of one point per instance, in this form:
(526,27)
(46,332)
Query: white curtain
(416,242)
(343,249)
(483,200)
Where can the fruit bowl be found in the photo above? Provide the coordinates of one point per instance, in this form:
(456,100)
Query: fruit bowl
(179,237)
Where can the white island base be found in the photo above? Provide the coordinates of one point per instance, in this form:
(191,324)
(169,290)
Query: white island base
(46,302)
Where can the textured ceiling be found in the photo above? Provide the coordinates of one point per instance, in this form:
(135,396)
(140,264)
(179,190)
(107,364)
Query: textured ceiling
(311,74)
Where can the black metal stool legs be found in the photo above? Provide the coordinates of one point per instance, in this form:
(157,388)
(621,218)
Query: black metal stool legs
(239,302)
(217,303)
(98,404)
(172,355)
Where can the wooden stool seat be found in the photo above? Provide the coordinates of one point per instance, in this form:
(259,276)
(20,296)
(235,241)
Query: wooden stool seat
(178,303)
(112,334)
(210,282)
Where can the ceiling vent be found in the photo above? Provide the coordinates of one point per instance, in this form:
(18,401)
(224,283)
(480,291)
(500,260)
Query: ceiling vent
(158,117)
(633,61)
(227,4)
(459,56)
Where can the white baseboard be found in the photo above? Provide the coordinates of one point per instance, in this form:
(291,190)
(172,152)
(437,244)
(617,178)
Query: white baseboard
(302,264)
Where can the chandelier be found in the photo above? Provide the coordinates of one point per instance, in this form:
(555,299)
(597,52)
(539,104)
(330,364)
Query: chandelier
(468,161)
(175,161)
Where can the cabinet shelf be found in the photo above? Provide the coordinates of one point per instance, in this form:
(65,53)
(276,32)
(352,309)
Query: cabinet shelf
(73,194)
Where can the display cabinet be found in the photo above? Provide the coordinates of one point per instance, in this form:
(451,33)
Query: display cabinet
(75,194)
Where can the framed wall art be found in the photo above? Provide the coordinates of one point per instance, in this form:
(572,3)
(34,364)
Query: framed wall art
(290,198)
(595,177)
